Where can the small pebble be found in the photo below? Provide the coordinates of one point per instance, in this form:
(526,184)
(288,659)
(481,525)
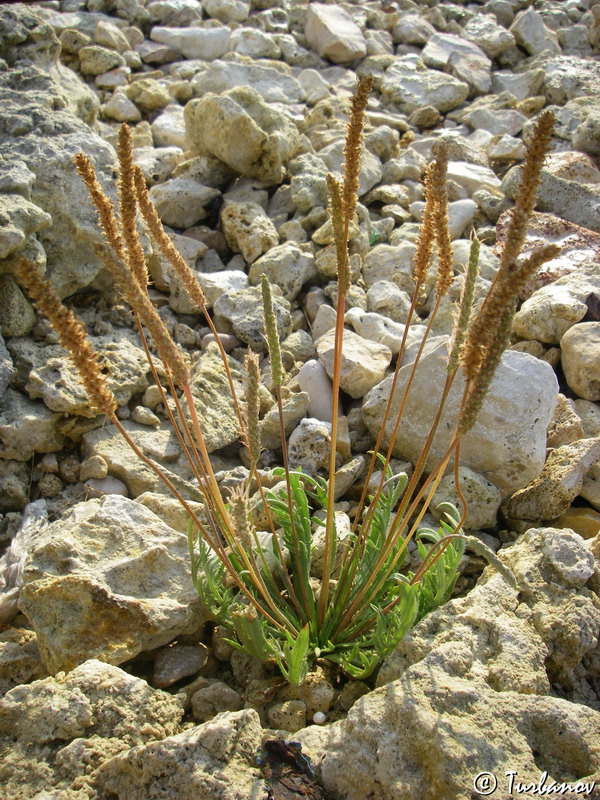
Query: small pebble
(319,718)
(144,416)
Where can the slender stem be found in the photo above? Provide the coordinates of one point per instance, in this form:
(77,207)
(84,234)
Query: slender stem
(330,517)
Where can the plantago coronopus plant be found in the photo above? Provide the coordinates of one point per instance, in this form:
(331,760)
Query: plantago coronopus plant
(261,585)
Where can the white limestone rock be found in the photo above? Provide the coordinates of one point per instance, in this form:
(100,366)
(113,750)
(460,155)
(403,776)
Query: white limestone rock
(507,445)
(244,313)
(379,328)
(240,129)
(332,33)
(484,31)
(314,381)
(216,759)
(181,202)
(532,34)
(309,446)
(120,108)
(227,10)
(483,498)
(273,85)
(254,43)
(549,313)
(552,492)
(363,361)
(472,176)
(461,57)
(484,662)
(53,378)
(206,43)
(410,85)
(215,284)
(168,129)
(27,427)
(370,166)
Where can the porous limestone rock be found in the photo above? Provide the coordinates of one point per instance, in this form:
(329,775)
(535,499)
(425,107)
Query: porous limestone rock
(248,230)
(532,34)
(45,110)
(227,10)
(212,395)
(214,698)
(465,60)
(61,729)
(27,428)
(508,442)
(378,328)
(566,425)
(94,60)
(182,202)
(148,95)
(240,129)
(19,659)
(549,313)
(213,760)
(286,266)
(568,199)
(290,715)
(363,361)
(558,484)
(53,378)
(158,443)
(17,316)
(370,165)
(243,311)
(216,284)
(107,581)
(484,31)
(294,408)
(309,446)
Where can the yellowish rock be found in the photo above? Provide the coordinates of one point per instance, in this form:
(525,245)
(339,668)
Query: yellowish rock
(584,521)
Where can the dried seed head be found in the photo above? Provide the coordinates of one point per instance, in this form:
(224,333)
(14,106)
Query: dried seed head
(240,517)
(424,249)
(352,149)
(336,214)
(104,206)
(72,335)
(445,271)
(272,334)
(128,207)
(252,366)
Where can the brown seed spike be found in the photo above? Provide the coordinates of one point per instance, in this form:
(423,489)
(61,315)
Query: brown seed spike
(353,148)
(72,336)
(128,207)
(104,206)
(424,249)
(445,271)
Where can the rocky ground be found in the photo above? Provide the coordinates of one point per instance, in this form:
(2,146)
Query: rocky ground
(238,111)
